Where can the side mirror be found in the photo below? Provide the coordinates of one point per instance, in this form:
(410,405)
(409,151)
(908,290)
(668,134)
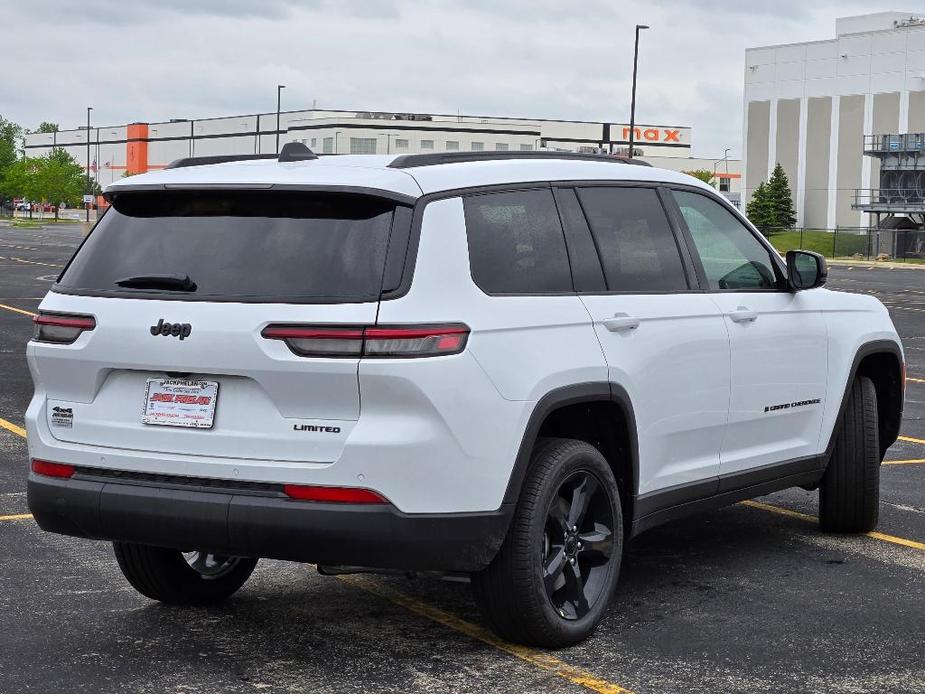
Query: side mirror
(806,270)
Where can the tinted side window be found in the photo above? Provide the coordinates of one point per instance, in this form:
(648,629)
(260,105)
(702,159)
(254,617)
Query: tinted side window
(516,244)
(637,246)
(732,257)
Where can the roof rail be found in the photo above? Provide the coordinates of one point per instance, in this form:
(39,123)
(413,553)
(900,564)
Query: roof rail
(291,151)
(407,161)
(215,159)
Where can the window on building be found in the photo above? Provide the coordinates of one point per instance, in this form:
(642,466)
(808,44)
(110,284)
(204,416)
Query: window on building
(501,147)
(401,143)
(362,145)
(516,244)
(478,146)
(526,148)
(327,145)
(452,145)
(637,246)
(724,184)
(427,144)
(314,142)
(585,149)
(732,257)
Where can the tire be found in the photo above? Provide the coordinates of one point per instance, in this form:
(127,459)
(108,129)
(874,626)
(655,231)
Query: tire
(849,494)
(169,576)
(512,591)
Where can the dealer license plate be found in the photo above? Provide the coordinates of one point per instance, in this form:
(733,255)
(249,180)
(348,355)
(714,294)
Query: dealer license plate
(180,402)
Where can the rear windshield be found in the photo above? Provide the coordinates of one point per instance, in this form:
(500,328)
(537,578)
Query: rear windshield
(237,245)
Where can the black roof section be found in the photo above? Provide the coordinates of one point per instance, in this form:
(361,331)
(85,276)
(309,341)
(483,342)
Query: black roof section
(407,161)
(291,151)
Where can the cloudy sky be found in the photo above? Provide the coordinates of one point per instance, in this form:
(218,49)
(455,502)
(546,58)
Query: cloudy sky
(572,59)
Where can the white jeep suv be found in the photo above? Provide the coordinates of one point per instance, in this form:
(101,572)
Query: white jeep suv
(496,364)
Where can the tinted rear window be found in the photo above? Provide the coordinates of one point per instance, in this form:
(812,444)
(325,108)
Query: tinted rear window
(240,245)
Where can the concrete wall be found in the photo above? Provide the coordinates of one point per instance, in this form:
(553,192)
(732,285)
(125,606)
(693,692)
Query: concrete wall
(756,146)
(885,120)
(848,175)
(916,112)
(818,138)
(788,140)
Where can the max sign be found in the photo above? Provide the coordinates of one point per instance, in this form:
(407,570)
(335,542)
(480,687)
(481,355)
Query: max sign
(654,134)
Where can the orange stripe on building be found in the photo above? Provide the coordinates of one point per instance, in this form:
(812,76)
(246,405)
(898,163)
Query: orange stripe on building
(136,150)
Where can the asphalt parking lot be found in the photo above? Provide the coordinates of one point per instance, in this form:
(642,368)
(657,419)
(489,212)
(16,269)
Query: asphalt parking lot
(751,598)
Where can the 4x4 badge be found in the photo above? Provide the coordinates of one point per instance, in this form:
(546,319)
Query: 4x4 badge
(181,330)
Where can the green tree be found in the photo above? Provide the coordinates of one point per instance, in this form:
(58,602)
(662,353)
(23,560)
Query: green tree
(704,175)
(10,141)
(759,209)
(46,127)
(780,200)
(59,178)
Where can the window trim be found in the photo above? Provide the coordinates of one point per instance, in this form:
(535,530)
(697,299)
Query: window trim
(777,263)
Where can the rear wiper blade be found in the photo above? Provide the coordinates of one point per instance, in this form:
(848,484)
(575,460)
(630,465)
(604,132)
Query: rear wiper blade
(180,283)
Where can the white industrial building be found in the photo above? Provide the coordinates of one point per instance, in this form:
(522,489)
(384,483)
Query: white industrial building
(810,105)
(139,147)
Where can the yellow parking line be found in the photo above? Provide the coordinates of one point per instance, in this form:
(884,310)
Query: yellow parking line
(544,661)
(17,310)
(915,380)
(904,462)
(805,516)
(9,426)
(17,516)
(910,439)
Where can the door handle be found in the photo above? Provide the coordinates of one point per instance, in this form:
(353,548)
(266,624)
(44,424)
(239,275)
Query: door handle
(742,314)
(621,321)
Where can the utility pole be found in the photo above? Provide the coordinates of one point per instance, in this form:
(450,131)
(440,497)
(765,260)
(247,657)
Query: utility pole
(89,189)
(633,100)
(279,92)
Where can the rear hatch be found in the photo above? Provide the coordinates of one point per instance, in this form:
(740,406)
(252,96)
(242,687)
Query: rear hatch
(180,286)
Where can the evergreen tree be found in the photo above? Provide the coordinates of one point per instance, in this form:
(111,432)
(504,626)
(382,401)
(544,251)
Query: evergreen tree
(780,200)
(758,210)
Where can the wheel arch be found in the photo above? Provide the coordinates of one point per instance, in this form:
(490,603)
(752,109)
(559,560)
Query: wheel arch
(882,362)
(600,413)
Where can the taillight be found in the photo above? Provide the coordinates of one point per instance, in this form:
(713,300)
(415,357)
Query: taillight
(60,328)
(371,341)
(44,467)
(333,495)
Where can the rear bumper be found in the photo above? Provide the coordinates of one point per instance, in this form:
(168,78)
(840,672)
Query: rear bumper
(264,523)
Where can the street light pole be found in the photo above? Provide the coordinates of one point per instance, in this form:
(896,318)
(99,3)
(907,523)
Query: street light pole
(633,100)
(279,92)
(89,190)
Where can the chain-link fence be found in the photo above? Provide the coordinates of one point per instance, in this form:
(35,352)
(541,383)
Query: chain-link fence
(859,243)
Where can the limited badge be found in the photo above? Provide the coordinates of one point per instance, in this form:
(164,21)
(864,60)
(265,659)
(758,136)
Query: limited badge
(62,417)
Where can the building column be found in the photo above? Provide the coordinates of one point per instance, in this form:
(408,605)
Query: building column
(867,164)
(831,212)
(801,162)
(772,137)
(903,124)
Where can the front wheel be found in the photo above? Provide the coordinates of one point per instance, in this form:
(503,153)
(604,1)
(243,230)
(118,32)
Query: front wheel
(552,579)
(849,494)
(182,578)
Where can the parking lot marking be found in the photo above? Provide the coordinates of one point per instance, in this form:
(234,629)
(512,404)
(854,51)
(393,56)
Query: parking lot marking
(34,262)
(812,519)
(17,310)
(914,380)
(544,661)
(911,439)
(16,516)
(9,426)
(904,462)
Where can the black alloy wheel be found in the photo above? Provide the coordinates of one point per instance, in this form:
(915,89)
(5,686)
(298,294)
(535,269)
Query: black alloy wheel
(577,545)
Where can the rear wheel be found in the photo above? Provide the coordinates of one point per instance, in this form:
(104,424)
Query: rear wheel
(552,579)
(849,495)
(182,578)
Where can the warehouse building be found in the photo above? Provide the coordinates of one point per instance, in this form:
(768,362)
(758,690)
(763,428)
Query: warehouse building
(809,106)
(139,147)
